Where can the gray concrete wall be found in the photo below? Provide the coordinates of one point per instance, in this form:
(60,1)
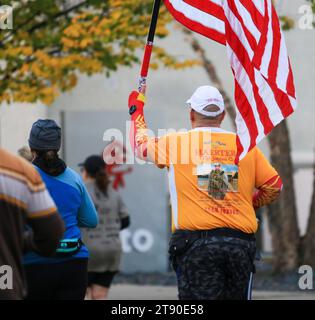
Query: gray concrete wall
(145,194)
(15,122)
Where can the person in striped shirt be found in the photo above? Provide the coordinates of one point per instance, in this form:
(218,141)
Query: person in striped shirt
(213,197)
(29,220)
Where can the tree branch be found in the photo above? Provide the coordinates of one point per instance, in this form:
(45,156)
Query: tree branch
(45,22)
(8,35)
(58,15)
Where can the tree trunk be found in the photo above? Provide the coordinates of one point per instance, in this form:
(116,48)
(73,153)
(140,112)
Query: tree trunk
(283,215)
(308,242)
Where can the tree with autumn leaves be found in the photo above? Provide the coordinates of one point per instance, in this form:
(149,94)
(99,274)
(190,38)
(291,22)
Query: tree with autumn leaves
(53,41)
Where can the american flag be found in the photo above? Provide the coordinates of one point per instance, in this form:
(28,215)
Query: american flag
(251,32)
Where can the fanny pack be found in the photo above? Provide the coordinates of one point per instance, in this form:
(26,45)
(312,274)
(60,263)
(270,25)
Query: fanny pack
(182,240)
(218,232)
(68,247)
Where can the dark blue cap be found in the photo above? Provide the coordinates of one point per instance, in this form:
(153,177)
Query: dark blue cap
(93,164)
(45,135)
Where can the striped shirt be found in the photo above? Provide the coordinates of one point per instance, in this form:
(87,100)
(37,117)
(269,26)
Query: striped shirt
(24,200)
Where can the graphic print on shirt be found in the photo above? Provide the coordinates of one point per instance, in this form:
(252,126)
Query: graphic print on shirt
(217,179)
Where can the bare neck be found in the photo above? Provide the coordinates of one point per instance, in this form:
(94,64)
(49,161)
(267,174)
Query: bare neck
(206,124)
(88,179)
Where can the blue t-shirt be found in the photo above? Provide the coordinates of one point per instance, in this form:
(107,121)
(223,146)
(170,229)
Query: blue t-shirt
(75,207)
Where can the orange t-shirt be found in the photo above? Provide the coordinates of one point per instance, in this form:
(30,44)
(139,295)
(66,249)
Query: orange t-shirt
(207,189)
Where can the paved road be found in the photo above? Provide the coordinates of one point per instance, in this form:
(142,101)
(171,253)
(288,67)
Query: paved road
(134,292)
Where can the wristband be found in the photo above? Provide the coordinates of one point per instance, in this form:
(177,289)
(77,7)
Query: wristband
(132,109)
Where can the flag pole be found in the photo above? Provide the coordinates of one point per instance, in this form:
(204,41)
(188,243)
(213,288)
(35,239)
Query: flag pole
(149,46)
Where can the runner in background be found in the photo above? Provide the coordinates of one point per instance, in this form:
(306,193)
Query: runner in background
(103,242)
(24,199)
(25,152)
(64,276)
(212,248)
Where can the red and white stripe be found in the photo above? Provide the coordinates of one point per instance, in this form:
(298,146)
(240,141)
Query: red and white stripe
(203,16)
(264,84)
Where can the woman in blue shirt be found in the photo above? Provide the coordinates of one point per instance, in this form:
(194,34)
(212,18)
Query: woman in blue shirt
(63,276)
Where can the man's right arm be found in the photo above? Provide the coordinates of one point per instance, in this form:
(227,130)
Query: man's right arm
(155,150)
(268,182)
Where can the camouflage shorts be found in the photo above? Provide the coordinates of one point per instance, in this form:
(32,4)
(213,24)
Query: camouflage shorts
(215,268)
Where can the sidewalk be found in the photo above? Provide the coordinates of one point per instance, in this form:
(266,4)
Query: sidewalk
(134,292)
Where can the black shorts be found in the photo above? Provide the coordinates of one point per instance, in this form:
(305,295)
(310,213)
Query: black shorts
(215,268)
(103,279)
(59,281)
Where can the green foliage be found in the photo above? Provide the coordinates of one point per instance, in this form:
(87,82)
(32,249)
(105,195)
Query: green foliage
(313,8)
(286,23)
(54,40)
(312,4)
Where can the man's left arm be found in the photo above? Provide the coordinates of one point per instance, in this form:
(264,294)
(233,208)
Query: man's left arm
(268,192)
(268,182)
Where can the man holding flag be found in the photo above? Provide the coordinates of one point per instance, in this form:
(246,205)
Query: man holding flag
(213,244)
(212,248)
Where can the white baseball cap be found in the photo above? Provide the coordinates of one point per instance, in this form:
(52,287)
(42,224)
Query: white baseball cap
(205,96)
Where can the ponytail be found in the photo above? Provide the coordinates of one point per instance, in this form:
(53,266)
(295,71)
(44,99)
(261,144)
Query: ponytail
(102,181)
(48,157)
(49,162)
